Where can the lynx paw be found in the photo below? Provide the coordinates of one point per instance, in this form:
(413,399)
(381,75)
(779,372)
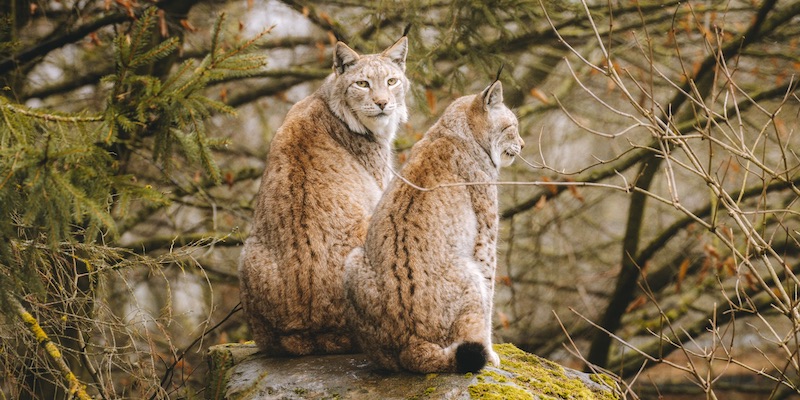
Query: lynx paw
(494,359)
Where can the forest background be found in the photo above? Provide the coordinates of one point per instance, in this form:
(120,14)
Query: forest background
(650,229)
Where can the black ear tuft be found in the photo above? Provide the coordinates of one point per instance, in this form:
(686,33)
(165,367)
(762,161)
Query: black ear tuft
(499,71)
(406,30)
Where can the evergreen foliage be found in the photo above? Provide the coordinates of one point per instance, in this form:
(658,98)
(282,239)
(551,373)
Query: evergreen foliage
(64,180)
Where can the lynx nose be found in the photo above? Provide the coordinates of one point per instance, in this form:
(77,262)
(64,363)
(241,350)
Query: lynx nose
(381,104)
(521,143)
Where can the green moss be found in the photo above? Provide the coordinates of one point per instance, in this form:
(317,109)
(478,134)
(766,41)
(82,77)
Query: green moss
(431,376)
(429,391)
(494,375)
(490,391)
(604,380)
(531,374)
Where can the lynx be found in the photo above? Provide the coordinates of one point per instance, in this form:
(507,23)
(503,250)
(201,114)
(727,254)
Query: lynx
(327,167)
(421,287)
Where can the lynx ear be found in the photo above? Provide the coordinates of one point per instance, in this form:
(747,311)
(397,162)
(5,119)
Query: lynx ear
(397,52)
(493,95)
(343,57)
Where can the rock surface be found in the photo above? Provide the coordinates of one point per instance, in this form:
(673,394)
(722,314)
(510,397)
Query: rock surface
(239,372)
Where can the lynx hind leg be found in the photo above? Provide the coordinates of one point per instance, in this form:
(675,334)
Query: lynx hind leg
(359,284)
(261,294)
(423,356)
(275,329)
(363,311)
(301,344)
(426,357)
(335,343)
(296,344)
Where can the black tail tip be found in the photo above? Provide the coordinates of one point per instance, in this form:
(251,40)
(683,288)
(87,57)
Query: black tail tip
(470,357)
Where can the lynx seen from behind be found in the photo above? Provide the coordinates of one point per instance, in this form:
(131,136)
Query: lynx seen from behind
(421,287)
(327,167)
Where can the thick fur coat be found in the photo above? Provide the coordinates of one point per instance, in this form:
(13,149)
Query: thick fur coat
(421,287)
(327,167)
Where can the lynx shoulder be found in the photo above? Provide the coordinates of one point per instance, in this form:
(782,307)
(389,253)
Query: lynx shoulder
(327,167)
(421,287)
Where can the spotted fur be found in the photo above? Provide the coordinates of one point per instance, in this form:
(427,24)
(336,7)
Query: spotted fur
(421,287)
(327,167)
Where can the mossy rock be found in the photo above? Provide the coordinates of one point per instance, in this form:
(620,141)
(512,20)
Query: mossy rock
(239,372)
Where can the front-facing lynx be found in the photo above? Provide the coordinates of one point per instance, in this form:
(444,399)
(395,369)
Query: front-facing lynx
(327,167)
(422,285)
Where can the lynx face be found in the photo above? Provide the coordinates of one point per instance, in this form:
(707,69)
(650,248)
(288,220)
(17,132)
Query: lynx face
(372,89)
(506,144)
(502,127)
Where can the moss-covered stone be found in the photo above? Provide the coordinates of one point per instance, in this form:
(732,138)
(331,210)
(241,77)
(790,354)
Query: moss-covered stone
(527,374)
(221,359)
(239,372)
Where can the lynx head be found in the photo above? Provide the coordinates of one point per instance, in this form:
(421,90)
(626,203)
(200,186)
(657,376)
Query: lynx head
(494,126)
(369,91)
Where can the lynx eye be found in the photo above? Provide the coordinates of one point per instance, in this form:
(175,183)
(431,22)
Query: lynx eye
(363,84)
(391,81)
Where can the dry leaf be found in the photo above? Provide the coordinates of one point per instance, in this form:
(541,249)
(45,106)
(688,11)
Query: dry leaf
(539,95)
(751,281)
(327,18)
(711,251)
(552,188)
(162,24)
(321,57)
(780,126)
(640,301)
(730,266)
(430,98)
(682,270)
(503,319)
(188,26)
(229,179)
(541,202)
(574,191)
(95,39)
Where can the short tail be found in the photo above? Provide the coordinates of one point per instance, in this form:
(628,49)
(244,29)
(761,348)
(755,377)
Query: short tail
(471,357)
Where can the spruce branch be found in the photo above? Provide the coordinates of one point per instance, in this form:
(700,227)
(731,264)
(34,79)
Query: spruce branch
(47,116)
(41,49)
